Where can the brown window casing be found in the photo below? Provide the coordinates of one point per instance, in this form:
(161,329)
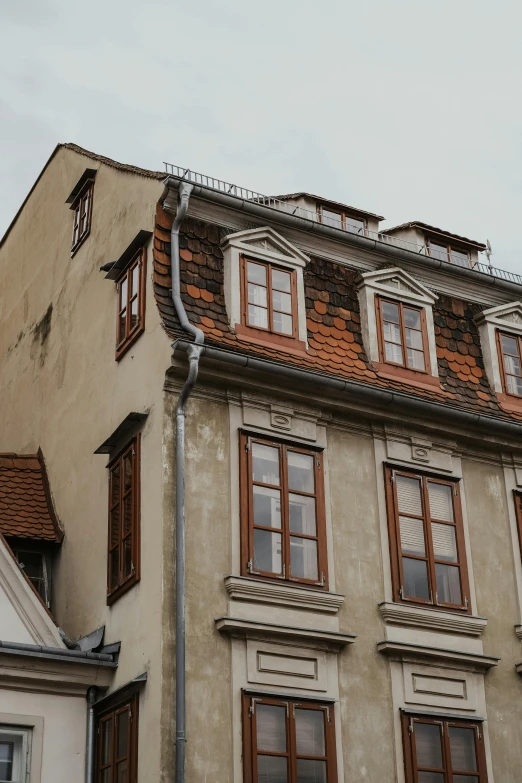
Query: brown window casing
(123,564)
(517,495)
(273,740)
(82,208)
(428,562)
(443,749)
(266,308)
(444,251)
(297,556)
(117,743)
(408,361)
(511,380)
(130,321)
(349,221)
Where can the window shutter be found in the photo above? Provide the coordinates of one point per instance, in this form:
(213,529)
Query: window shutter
(443,541)
(409,495)
(412,535)
(441,506)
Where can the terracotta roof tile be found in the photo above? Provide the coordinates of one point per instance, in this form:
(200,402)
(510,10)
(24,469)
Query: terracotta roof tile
(26,508)
(333,320)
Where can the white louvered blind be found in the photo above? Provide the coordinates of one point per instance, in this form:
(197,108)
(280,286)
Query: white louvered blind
(441,505)
(444,544)
(409,495)
(412,536)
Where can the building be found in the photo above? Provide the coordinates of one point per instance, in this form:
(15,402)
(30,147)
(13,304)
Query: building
(352,471)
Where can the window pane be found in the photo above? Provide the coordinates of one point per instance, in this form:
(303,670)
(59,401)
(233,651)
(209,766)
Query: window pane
(6,760)
(114,568)
(134,313)
(416,360)
(127,557)
(431,777)
(258,316)
(281,280)
(441,503)
(267,551)
(514,385)
(127,514)
(428,745)
(393,353)
(354,225)
(302,515)
(444,542)
(439,251)
(512,365)
(409,495)
(390,312)
(412,318)
(115,527)
(465,779)
(414,339)
(106,732)
(303,558)
(115,484)
(310,771)
(106,776)
(122,775)
(392,332)
(122,743)
(283,323)
(267,507)
(448,584)
(412,536)
(509,345)
(127,471)
(271,728)
(281,302)
(459,258)
(331,218)
(300,472)
(272,769)
(123,293)
(256,273)
(462,745)
(265,463)
(135,279)
(415,578)
(309,732)
(122,325)
(257,295)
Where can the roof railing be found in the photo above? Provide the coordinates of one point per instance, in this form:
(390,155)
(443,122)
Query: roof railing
(211,183)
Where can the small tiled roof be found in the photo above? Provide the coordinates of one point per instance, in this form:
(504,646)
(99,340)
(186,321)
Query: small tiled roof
(435,230)
(325,201)
(26,508)
(335,343)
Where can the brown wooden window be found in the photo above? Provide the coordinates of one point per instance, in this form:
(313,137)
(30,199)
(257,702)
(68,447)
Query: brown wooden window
(117,744)
(518,510)
(288,741)
(131,303)
(341,219)
(427,540)
(82,208)
(269,295)
(509,346)
(447,252)
(124,514)
(403,338)
(282,509)
(443,751)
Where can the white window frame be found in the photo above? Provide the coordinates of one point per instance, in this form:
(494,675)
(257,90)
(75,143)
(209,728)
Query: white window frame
(21,738)
(503,318)
(394,283)
(263,244)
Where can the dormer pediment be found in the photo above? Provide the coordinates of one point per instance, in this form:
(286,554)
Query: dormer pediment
(506,316)
(397,283)
(266,244)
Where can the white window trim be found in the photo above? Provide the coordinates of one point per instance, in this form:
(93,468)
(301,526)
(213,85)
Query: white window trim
(394,283)
(21,738)
(267,245)
(504,318)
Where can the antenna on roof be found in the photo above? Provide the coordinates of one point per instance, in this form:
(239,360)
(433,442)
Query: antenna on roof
(488,251)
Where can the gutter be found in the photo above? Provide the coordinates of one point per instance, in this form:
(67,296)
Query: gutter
(57,653)
(270,214)
(365,393)
(194,351)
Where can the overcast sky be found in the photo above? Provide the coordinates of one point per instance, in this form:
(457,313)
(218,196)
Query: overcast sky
(408,108)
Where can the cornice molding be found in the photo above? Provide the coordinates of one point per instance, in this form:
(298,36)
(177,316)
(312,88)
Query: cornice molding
(412,653)
(241,588)
(239,628)
(432,619)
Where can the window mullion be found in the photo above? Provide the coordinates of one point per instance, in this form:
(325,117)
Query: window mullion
(446,752)
(122,513)
(291,744)
(429,543)
(128,303)
(285,511)
(269,297)
(403,335)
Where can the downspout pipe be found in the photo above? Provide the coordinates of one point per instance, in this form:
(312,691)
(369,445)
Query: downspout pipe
(92,694)
(194,350)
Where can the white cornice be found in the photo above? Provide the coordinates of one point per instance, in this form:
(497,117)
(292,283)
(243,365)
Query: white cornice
(432,619)
(404,652)
(250,629)
(242,588)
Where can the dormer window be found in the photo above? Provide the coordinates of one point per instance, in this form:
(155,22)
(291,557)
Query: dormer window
(82,208)
(446,252)
(341,219)
(403,334)
(269,297)
(264,289)
(511,364)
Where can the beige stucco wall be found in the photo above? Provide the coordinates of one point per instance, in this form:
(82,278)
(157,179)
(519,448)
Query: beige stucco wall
(64,392)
